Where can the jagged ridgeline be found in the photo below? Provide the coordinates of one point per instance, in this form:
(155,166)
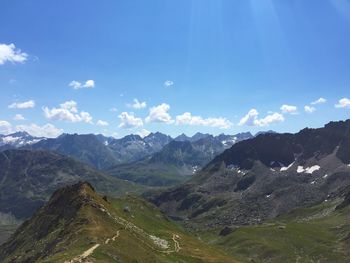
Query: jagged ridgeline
(78,225)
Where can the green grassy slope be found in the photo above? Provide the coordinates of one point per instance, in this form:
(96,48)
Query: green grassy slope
(77,225)
(317,234)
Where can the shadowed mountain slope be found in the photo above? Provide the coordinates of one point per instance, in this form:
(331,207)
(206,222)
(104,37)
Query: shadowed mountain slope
(261,178)
(28,178)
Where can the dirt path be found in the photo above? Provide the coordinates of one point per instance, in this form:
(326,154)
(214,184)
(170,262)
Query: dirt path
(176,243)
(83,256)
(113,238)
(91,250)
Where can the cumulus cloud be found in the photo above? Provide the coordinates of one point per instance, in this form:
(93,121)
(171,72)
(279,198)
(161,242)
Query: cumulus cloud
(168,83)
(102,123)
(9,53)
(86,117)
(89,84)
(5,127)
(22,105)
(67,111)
(137,105)
(143,133)
(113,109)
(48,130)
(290,109)
(129,121)
(343,103)
(309,109)
(188,119)
(251,119)
(319,101)
(18,117)
(159,114)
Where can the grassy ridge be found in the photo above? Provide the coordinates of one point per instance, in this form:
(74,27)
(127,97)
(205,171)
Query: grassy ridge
(116,230)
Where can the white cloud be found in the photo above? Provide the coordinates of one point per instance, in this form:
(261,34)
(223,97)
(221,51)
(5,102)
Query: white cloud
(47,130)
(18,117)
(128,121)
(113,109)
(309,109)
(188,119)
(22,105)
(5,127)
(143,133)
(251,119)
(168,83)
(67,111)
(289,109)
(86,117)
(159,114)
(102,123)
(343,103)
(9,53)
(137,105)
(89,84)
(319,101)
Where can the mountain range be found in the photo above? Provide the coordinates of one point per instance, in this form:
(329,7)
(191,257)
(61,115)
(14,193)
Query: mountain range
(264,177)
(269,198)
(103,152)
(177,161)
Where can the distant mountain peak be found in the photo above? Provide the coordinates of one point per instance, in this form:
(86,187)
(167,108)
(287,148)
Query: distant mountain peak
(265,132)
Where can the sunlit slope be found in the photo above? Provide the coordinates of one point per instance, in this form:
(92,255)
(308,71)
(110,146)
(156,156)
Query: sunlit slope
(77,225)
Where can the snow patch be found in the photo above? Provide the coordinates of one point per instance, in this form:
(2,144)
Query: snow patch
(312,169)
(10,139)
(325,176)
(300,169)
(308,170)
(286,168)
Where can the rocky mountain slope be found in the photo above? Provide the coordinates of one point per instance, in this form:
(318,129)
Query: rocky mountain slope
(17,139)
(103,152)
(261,178)
(78,225)
(86,148)
(176,162)
(28,178)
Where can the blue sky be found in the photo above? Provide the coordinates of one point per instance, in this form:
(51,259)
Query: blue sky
(217,66)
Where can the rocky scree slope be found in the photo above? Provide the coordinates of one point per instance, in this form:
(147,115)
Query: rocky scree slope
(261,178)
